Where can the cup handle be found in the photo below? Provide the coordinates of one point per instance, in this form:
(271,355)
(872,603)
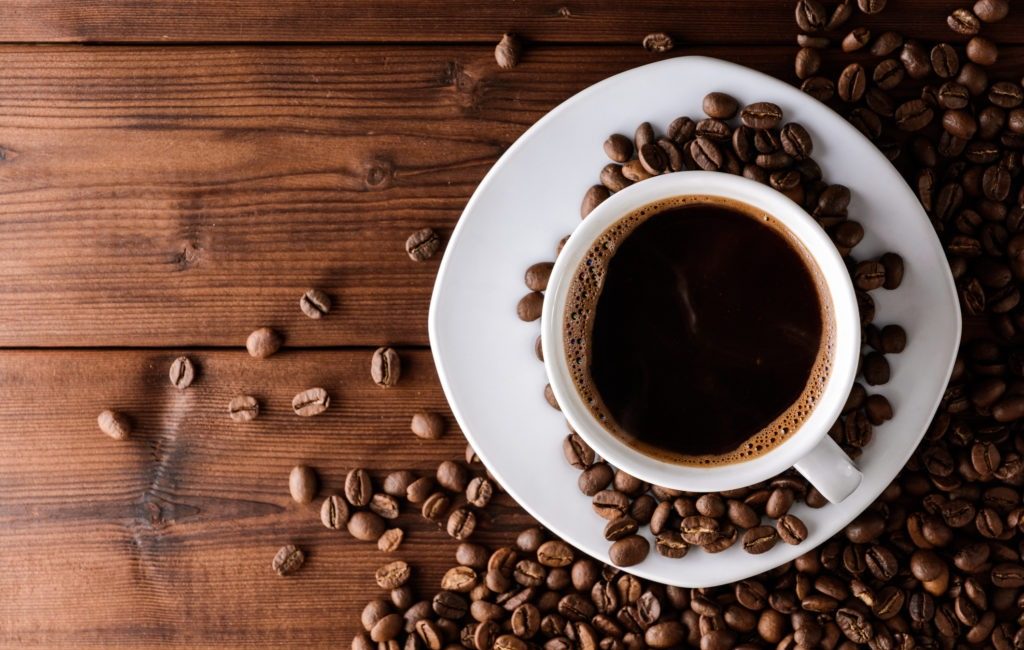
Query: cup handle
(830,470)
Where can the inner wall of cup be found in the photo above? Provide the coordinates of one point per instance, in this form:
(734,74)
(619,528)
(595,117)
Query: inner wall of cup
(826,283)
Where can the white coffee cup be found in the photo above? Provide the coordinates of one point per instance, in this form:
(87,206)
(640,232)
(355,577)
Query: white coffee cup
(809,449)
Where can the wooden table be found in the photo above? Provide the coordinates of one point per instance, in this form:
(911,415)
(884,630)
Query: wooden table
(175,174)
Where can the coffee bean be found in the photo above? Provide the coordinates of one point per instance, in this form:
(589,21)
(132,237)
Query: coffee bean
(1015,121)
(315,303)
(618,147)
(854,625)
(878,410)
(875,369)
(913,115)
(390,540)
(393,575)
(577,452)
(427,425)
(869,275)
(865,528)
(419,490)
(945,61)
(706,154)
(852,83)
(243,408)
(796,141)
(658,43)
(334,512)
(915,60)
(791,529)
(449,605)
(385,367)
(960,124)
(761,115)
(396,483)
(530,306)
(953,95)
(591,199)
(720,105)
(819,88)
(653,159)
(613,178)
(667,634)
(182,373)
(810,15)
(114,424)
(807,62)
(435,506)
(555,553)
(461,523)
(893,264)
(384,505)
(288,560)
(963,21)
(507,53)
(779,502)
(479,492)
(1008,575)
(982,51)
(759,539)
(303,483)
(358,487)
(856,39)
(310,402)
(644,134)
(699,530)
(817,42)
(629,551)
(452,476)
(888,74)
(1008,409)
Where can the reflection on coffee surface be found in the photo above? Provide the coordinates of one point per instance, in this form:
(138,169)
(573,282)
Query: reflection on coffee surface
(699,331)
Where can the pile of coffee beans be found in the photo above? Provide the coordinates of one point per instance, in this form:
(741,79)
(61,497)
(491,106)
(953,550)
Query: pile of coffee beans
(763,147)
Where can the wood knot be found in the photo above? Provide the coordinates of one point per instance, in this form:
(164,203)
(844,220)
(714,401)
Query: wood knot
(378,174)
(187,257)
(468,87)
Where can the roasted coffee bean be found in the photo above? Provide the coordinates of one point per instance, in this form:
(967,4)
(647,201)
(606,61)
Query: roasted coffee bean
(759,539)
(963,21)
(960,124)
(288,560)
(819,88)
(991,11)
(595,478)
(385,367)
(419,490)
(658,43)
(613,178)
(706,154)
(699,530)
(452,476)
(366,526)
(461,523)
(761,115)
(315,303)
(450,605)
(529,307)
(396,483)
(427,425)
(791,529)
(629,551)
(720,105)
(310,402)
(334,512)
(182,373)
(806,40)
(618,147)
(667,634)
(593,197)
(617,529)
(479,492)
(358,487)
(893,264)
(856,39)
(875,369)
(393,575)
(555,553)
(915,60)
(303,483)
(114,424)
(384,505)
(913,115)
(435,506)
(953,96)
(577,452)
(390,540)
(507,51)
(869,275)
(888,74)
(866,528)
(807,62)
(982,51)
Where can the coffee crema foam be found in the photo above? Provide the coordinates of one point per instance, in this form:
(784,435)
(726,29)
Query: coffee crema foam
(581,306)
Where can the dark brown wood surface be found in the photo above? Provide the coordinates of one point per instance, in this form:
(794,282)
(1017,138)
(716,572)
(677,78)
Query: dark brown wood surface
(159,199)
(572,21)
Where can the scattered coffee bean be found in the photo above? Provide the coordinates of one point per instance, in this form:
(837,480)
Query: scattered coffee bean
(720,105)
(982,51)
(310,402)
(366,526)
(629,551)
(593,198)
(243,408)
(424,243)
(761,115)
(358,488)
(530,306)
(288,560)
(427,425)
(334,512)
(393,575)
(114,424)
(182,373)
(390,540)
(852,83)
(963,21)
(263,342)
(506,54)
(658,43)
(303,483)
(991,11)
(315,303)
(385,367)
(856,39)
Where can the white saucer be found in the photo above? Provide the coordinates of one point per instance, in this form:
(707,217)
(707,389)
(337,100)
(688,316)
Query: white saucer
(530,200)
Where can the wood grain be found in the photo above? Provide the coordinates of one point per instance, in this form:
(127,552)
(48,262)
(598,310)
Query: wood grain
(184,196)
(166,539)
(575,21)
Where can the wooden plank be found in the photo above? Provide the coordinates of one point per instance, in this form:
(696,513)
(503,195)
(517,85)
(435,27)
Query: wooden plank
(166,539)
(606,21)
(185,195)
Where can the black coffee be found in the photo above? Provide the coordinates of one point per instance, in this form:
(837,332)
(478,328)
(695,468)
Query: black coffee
(699,331)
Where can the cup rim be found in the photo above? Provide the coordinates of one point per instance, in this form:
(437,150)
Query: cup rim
(845,358)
